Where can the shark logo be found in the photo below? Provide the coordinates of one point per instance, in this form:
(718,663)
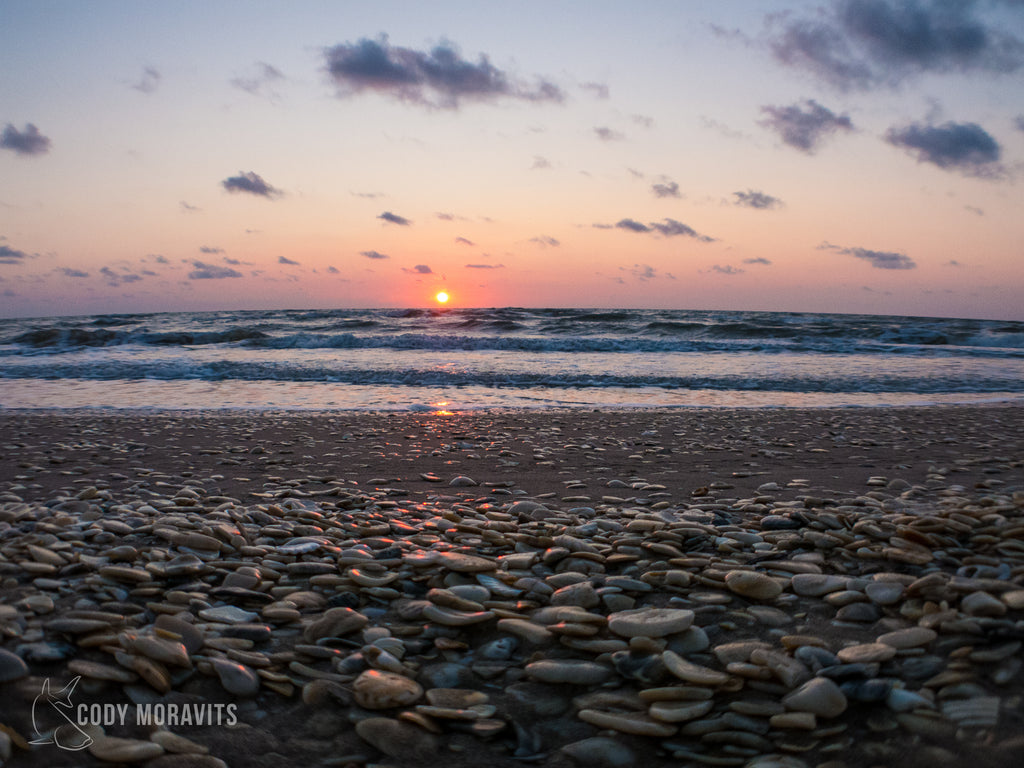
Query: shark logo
(51,719)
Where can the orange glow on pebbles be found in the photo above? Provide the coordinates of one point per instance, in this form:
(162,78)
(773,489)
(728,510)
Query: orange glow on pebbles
(440,409)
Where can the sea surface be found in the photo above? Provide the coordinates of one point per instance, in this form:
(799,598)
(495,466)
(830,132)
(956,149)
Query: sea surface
(467,359)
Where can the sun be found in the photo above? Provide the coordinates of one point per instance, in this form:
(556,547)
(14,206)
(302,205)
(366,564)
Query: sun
(442,297)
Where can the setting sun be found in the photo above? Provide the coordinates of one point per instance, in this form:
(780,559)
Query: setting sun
(442,297)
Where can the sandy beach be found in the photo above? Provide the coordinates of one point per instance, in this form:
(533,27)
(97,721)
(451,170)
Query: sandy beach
(694,587)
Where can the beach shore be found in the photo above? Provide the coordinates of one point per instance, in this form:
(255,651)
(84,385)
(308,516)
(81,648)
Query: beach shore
(840,587)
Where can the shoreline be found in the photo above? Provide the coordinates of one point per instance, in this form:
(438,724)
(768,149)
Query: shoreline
(836,587)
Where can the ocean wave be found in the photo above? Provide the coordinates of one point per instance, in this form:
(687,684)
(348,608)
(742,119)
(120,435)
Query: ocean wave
(318,371)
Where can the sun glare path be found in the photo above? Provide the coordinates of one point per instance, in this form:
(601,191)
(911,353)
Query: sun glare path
(442,297)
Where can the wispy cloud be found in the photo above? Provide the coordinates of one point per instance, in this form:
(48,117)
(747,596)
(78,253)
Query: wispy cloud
(250,183)
(666,189)
(485,266)
(260,83)
(69,272)
(440,78)
(149,81)
(394,218)
(376,255)
(464,241)
(665,227)
(203,271)
(758,260)
(862,44)
(877,259)
(113,278)
(10,255)
(419,269)
(597,90)
(540,163)
(604,133)
(27,142)
(287,261)
(728,269)
(189,208)
(210,249)
(544,241)
(804,126)
(963,147)
(644,272)
(754,199)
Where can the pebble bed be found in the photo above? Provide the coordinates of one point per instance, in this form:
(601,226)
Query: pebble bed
(463,618)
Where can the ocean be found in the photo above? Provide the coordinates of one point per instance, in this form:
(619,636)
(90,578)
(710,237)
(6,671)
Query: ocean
(470,359)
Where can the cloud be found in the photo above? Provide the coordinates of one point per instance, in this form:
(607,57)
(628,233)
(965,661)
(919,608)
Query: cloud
(374,255)
(632,225)
(604,133)
(285,260)
(189,208)
(668,189)
(963,147)
(210,249)
(862,44)
(644,272)
(232,262)
(333,270)
(754,199)
(1018,122)
(149,81)
(597,90)
(485,266)
(10,255)
(159,259)
(804,126)
(540,163)
(419,269)
(877,259)
(644,120)
(251,183)
(673,228)
(27,142)
(440,78)
(68,272)
(204,271)
(953,263)
(544,241)
(394,218)
(258,84)
(758,260)
(666,228)
(118,278)
(464,241)
(728,269)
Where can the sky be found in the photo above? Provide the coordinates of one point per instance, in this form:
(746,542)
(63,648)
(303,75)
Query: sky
(855,156)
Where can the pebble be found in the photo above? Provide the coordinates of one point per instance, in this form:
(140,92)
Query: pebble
(111,749)
(374,689)
(11,667)
(865,653)
(756,586)
(789,629)
(228,614)
(236,678)
(398,739)
(600,752)
(569,671)
(650,622)
(819,696)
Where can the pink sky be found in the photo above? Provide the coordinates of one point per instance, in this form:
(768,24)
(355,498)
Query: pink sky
(695,155)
